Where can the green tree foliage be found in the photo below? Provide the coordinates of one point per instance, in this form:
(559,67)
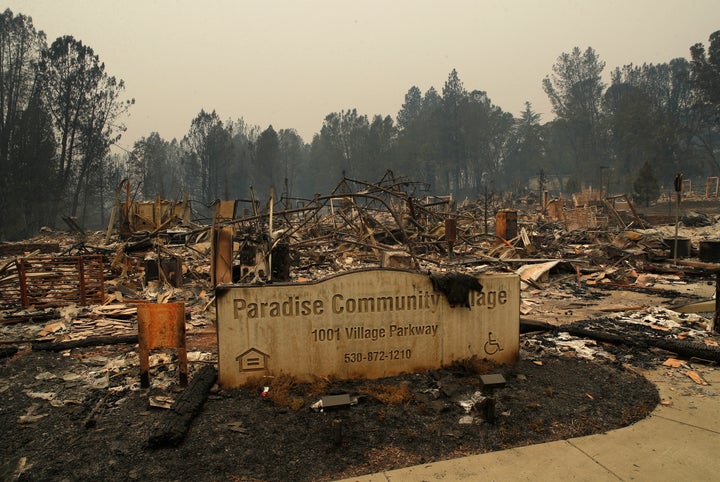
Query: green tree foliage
(490,136)
(575,90)
(560,154)
(293,156)
(452,136)
(526,148)
(85,105)
(32,155)
(706,70)
(632,125)
(705,80)
(454,140)
(60,111)
(417,145)
(572,185)
(320,172)
(208,154)
(20,49)
(242,171)
(341,148)
(381,140)
(267,154)
(646,186)
(647,113)
(411,110)
(155,165)
(457,139)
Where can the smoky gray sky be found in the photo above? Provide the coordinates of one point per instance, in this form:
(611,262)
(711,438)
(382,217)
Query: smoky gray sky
(289,63)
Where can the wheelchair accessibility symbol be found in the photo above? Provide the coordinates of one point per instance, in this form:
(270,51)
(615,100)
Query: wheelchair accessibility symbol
(492,346)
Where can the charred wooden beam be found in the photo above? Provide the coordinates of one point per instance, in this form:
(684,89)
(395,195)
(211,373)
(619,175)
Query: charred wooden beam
(528,326)
(19,249)
(90,341)
(683,348)
(32,318)
(171,430)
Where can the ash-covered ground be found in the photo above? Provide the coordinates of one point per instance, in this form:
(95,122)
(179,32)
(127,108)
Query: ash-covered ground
(67,416)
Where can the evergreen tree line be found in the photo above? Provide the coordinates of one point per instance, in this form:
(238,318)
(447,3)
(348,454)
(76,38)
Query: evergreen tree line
(61,113)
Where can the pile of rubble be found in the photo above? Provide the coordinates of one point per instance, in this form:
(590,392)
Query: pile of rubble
(594,272)
(80,284)
(64,287)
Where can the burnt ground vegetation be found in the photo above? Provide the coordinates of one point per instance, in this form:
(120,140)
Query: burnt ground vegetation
(56,426)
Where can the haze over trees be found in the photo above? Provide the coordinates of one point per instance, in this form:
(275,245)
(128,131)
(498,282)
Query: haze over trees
(59,114)
(61,111)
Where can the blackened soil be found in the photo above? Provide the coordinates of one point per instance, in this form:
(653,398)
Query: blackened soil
(239,435)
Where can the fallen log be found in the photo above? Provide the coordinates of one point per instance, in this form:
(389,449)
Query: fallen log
(9,320)
(171,429)
(90,341)
(690,349)
(528,326)
(707,267)
(685,348)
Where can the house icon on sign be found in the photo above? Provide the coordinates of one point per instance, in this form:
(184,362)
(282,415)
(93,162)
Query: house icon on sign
(252,360)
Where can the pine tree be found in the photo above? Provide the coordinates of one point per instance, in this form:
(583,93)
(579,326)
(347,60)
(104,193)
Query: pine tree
(646,185)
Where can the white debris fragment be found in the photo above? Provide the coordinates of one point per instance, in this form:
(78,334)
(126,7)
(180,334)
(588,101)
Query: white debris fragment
(468,403)
(466,420)
(44,376)
(587,349)
(663,317)
(30,416)
(199,356)
(41,395)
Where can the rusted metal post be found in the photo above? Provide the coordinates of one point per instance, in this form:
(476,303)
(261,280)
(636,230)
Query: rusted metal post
(221,267)
(23,282)
(450,234)
(337,431)
(157,213)
(485,208)
(678,192)
(161,326)
(81,280)
(716,319)
(506,224)
(99,266)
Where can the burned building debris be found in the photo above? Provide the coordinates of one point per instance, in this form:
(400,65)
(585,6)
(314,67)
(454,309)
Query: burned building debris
(153,251)
(598,281)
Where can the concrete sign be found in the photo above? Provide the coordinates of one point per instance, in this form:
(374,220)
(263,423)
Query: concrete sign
(362,324)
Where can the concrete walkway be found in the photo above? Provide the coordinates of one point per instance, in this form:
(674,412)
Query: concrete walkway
(679,441)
